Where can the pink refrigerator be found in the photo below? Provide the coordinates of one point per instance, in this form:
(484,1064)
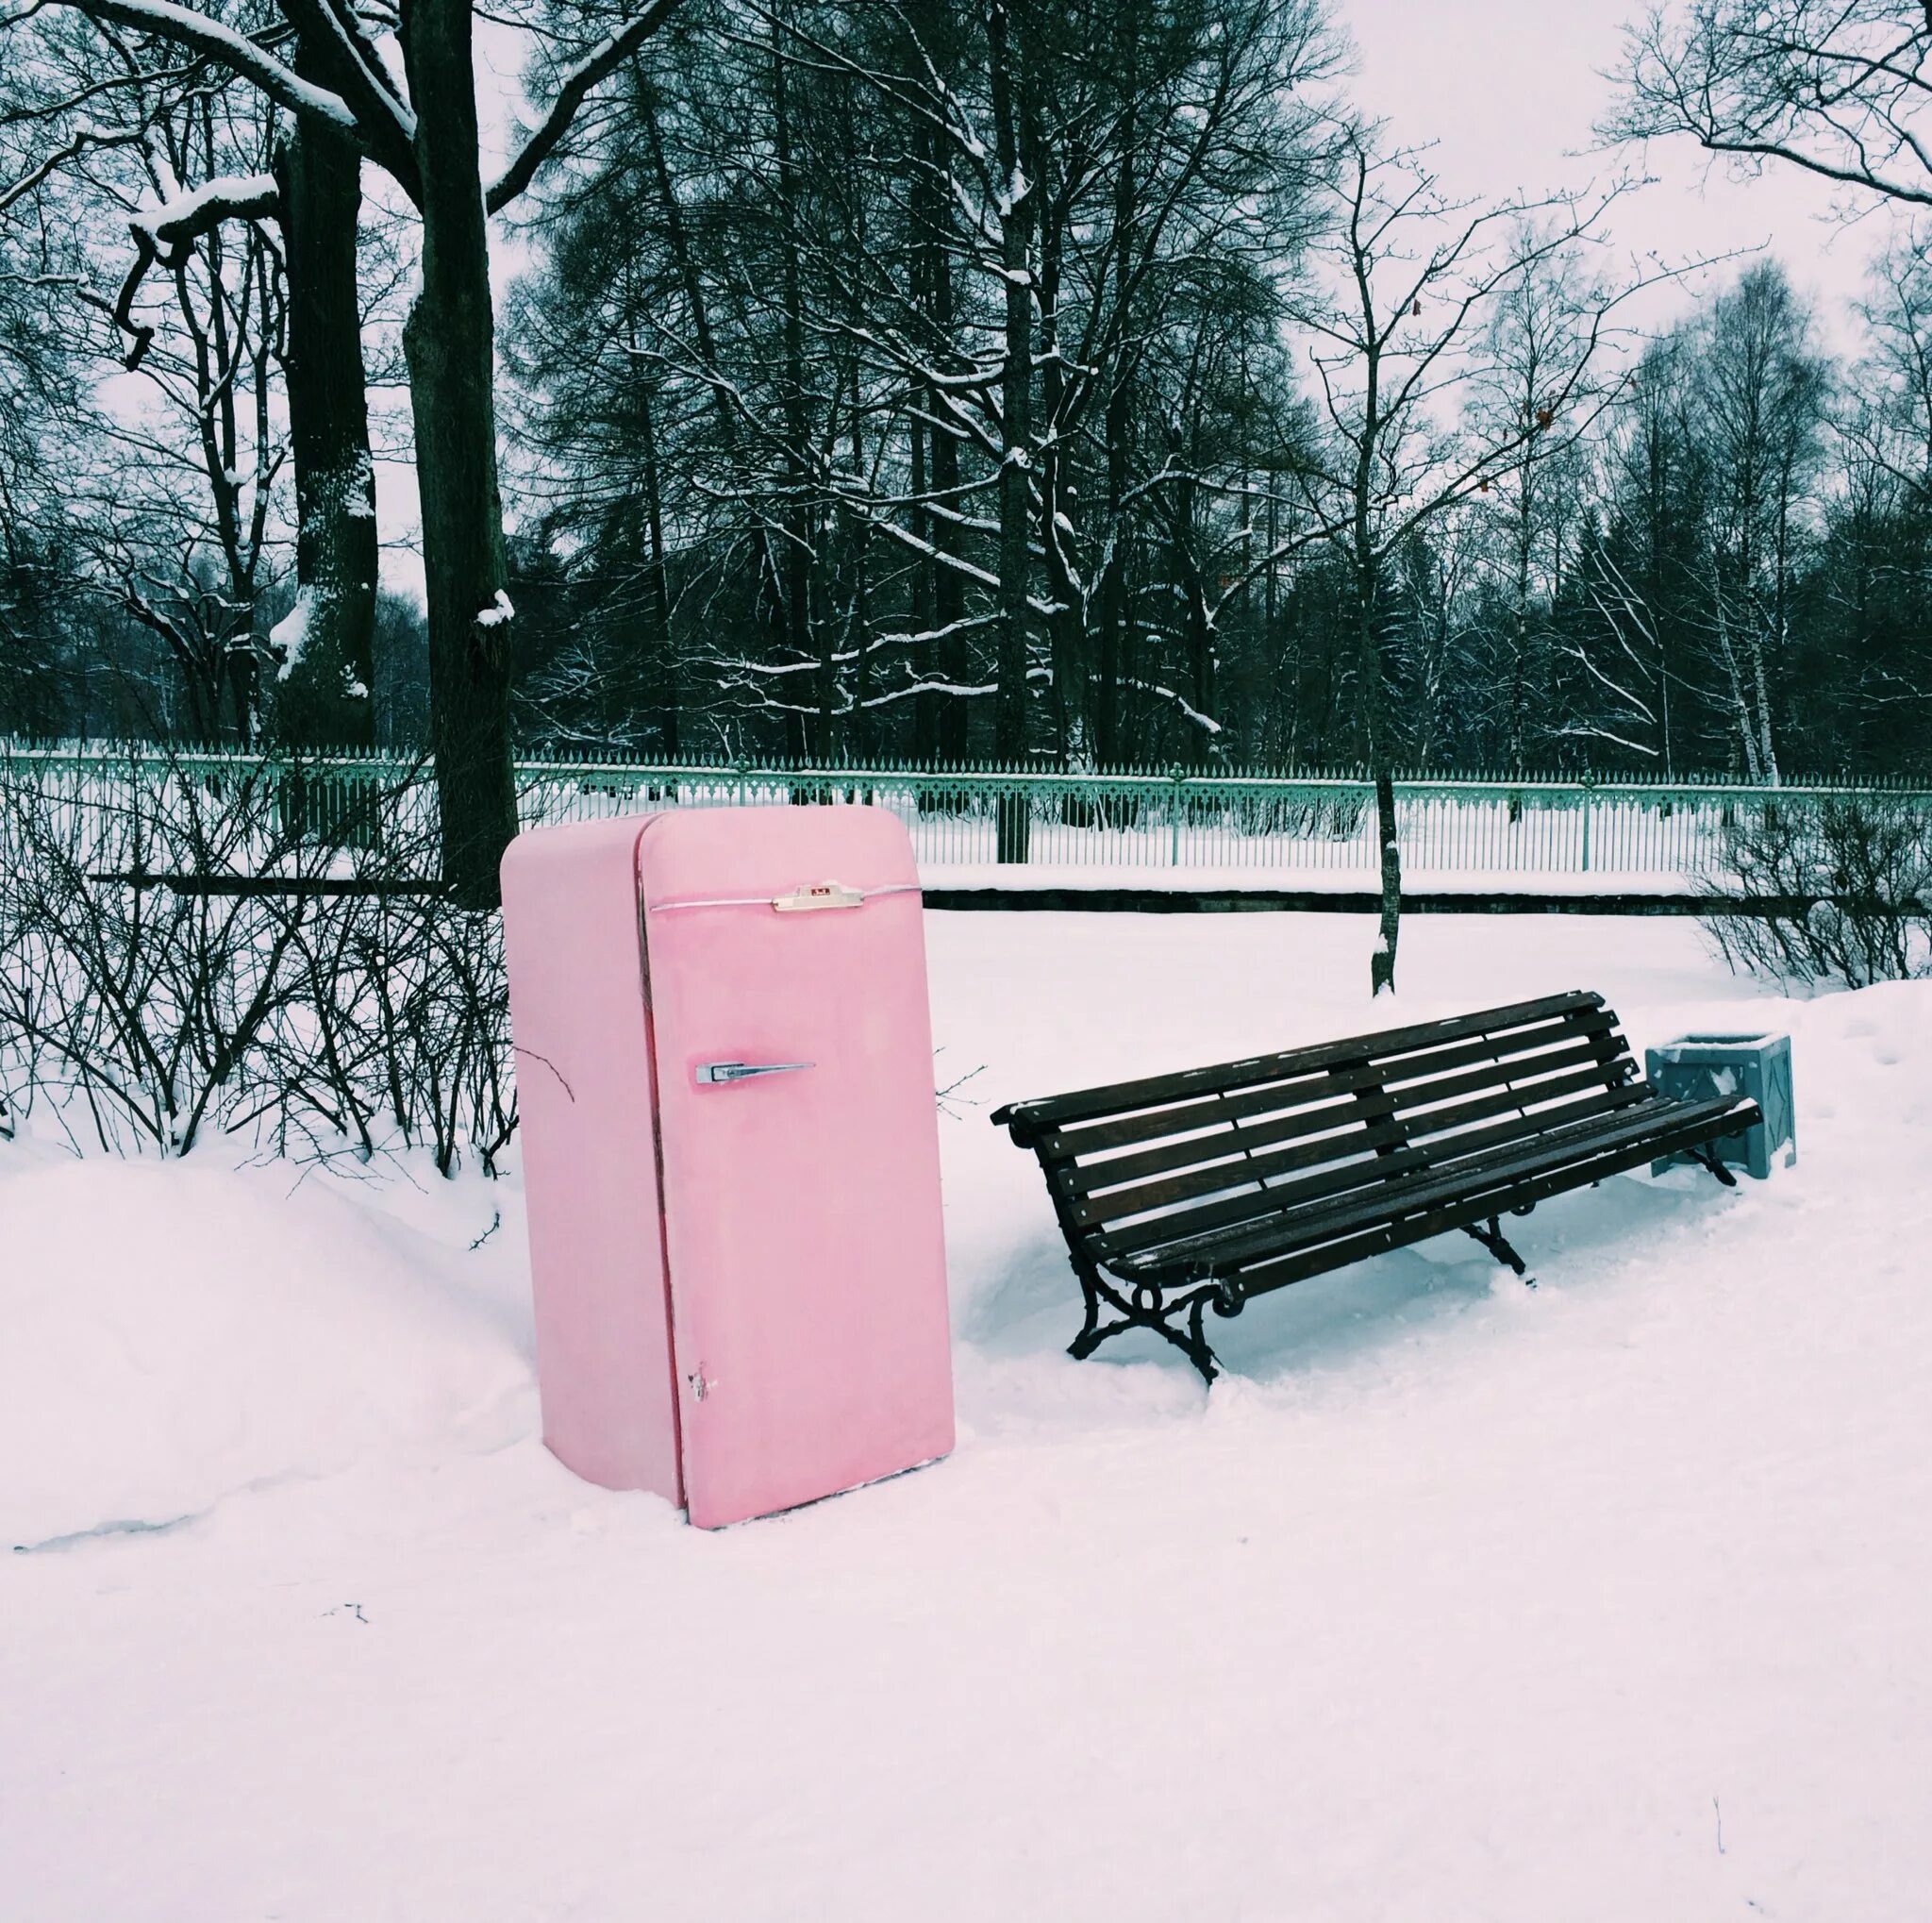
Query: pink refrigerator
(730,1152)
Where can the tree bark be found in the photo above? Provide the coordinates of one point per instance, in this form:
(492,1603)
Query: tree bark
(1382,962)
(657,597)
(800,569)
(323,691)
(1066,625)
(949,714)
(1017,202)
(1108,731)
(449,342)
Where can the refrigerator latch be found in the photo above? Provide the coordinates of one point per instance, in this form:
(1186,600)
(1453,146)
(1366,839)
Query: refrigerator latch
(809,894)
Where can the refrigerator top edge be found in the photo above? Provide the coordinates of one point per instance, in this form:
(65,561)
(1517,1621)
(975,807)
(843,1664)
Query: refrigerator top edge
(789,860)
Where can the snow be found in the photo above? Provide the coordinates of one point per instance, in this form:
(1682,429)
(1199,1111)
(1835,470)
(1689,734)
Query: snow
(243,195)
(1451,1600)
(189,27)
(289,638)
(106,1414)
(498,612)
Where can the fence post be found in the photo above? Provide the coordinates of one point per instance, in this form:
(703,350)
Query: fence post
(1173,821)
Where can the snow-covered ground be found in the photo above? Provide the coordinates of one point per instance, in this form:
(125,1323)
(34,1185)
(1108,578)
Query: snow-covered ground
(1450,1601)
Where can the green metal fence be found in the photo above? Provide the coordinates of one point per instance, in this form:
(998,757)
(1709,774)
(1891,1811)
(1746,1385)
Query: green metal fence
(1066,825)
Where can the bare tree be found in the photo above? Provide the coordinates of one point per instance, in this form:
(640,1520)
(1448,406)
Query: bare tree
(1839,88)
(422,128)
(87,126)
(1411,279)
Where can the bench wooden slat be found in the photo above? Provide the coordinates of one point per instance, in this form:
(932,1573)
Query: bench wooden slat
(1238,1167)
(1469,1145)
(1263,1277)
(1438,1133)
(1366,1172)
(1238,1171)
(1033,1115)
(1227,1253)
(1301,1091)
(1419,1098)
(1369,1106)
(1193,1166)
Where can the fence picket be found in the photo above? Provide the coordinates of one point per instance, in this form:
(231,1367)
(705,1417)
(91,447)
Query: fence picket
(1509,825)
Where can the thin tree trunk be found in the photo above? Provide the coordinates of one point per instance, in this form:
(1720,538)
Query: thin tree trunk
(1382,962)
(798,568)
(1108,730)
(946,596)
(1066,624)
(663,650)
(925,708)
(1018,199)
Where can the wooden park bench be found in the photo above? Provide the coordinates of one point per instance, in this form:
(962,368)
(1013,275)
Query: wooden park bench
(1181,1193)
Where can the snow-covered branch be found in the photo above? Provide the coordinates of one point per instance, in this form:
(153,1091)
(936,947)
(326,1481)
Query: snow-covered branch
(574,88)
(202,34)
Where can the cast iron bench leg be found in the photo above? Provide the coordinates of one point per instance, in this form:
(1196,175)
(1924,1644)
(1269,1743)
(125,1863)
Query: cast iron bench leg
(1088,1340)
(1706,1159)
(1135,1314)
(1498,1245)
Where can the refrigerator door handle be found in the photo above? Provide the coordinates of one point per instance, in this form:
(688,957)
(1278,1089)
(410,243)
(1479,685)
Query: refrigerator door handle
(709,1074)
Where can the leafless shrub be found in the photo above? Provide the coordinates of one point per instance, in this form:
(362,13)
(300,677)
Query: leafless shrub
(259,952)
(1840,890)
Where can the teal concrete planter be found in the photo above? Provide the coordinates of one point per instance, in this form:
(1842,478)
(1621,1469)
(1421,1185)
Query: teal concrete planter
(1698,1066)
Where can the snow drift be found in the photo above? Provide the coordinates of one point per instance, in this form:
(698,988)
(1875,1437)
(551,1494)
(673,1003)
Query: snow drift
(173,1334)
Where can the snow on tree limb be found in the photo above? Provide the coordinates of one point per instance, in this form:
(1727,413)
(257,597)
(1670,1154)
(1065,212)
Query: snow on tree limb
(231,196)
(1188,712)
(204,35)
(576,86)
(167,232)
(336,38)
(289,638)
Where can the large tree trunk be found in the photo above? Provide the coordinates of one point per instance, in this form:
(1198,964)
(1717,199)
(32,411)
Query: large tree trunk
(449,342)
(323,691)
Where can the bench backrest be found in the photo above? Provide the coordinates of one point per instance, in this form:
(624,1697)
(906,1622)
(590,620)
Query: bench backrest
(1141,1164)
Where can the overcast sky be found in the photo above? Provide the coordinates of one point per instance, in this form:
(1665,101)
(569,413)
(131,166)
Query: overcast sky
(1511,89)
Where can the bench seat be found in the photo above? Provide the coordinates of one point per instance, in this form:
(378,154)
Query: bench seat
(1183,1192)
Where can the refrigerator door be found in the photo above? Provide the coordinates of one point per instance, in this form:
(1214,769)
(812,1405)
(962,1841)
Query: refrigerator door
(798,1152)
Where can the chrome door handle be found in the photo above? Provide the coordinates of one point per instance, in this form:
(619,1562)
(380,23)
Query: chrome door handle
(709,1074)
